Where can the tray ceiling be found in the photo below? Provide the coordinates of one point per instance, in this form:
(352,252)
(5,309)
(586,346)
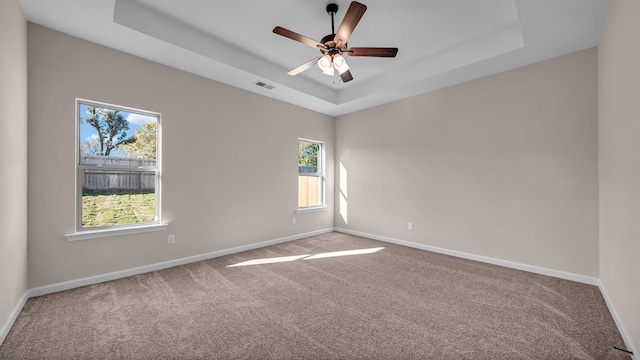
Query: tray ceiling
(441,42)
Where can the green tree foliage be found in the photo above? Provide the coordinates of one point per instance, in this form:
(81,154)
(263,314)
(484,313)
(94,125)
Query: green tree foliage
(308,153)
(145,145)
(111,127)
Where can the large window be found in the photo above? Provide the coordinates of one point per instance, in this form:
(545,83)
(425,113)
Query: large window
(117,167)
(310,174)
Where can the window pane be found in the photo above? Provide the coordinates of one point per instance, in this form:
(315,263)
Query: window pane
(309,191)
(114,197)
(308,157)
(310,178)
(117,166)
(115,133)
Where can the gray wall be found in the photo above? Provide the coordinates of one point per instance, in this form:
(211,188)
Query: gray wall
(211,199)
(504,166)
(619,150)
(13,157)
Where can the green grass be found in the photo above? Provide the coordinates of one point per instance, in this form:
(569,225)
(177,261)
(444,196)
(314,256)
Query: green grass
(117,208)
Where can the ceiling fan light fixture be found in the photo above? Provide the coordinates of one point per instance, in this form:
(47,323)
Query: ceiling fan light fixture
(325,64)
(338,60)
(340,64)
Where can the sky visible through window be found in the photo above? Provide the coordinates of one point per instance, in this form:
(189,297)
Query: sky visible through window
(89,133)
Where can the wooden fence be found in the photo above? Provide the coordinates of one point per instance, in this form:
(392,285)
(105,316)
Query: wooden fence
(307,169)
(108,179)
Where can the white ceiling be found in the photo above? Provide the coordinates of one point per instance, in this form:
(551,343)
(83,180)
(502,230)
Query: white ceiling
(441,42)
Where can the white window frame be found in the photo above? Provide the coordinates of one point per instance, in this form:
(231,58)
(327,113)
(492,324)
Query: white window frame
(320,173)
(83,233)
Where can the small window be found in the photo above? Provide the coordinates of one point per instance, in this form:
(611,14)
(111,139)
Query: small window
(310,174)
(117,167)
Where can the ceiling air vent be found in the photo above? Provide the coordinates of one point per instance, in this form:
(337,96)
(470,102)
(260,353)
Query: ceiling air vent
(266,86)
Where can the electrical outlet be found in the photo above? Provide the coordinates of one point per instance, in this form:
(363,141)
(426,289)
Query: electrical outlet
(409,226)
(293,221)
(171,240)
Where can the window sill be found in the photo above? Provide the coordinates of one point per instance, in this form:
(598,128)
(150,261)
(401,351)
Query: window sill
(311,209)
(95,234)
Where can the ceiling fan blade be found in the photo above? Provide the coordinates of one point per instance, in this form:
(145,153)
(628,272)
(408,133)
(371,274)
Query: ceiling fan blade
(297,37)
(371,51)
(346,76)
(304,66)
(351,19)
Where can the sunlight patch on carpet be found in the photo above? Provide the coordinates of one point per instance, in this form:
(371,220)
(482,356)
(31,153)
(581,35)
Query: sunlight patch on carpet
(269,260)
(344,253)
(306,257)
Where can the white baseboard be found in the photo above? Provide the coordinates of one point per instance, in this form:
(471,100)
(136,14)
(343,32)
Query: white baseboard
(618,320)
(66,285)
(48,289)
(4,330)
(530,268)
(485,259)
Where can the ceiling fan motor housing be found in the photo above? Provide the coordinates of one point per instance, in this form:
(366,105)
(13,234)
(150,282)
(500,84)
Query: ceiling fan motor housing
(327,38)
(332,8)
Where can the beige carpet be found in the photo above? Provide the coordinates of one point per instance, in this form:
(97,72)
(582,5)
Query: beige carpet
(394,303)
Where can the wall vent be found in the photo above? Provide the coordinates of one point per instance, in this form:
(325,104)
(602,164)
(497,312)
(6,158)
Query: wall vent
(266,86)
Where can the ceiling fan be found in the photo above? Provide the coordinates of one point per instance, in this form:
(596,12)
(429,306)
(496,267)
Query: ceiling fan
(334,45)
